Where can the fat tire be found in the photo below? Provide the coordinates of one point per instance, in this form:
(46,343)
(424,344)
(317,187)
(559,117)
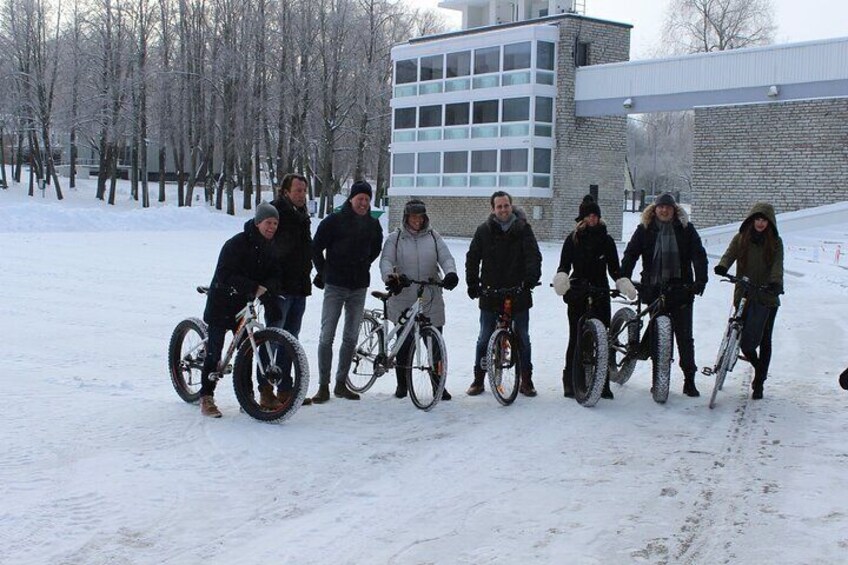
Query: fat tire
(621,319)
(504,374)
(363,373)
(590,364)
(179,368)
(425,378)
(661,343)
(244,377)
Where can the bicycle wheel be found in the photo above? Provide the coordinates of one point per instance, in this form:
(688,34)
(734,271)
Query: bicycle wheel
(503,365)
(623,336)
(362,372)
(727,353)
(427,371)
(186,352)
(661,356)
(274,344)
(590,365)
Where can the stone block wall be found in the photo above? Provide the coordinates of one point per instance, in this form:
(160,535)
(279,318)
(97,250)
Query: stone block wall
(791,154)
(588,150)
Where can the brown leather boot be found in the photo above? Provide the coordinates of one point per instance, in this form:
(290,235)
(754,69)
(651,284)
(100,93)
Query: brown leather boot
(267,400)
(477,387)
(526,386)
(208,408)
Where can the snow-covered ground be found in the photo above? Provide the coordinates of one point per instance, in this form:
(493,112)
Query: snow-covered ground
(103,463)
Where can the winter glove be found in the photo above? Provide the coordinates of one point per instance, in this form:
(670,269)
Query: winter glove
(720,270)
(699,287)
(396,283)
(626,288)
(561,283)
(473,292)
(450,281)
(318,281)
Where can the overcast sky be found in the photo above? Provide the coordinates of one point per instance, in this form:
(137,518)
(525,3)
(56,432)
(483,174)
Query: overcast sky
(796,20)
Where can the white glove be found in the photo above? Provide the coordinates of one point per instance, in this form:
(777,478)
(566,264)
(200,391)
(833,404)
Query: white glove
(626,288)
(561,283)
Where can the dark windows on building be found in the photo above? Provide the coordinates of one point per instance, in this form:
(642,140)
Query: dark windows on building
(513,160)
(544,109)
(582,52)
(485,161)
(404,118)
(456,114)
(430,116)
(406,71)
(403,164)
(545,55)
(431,67)
(516,56)
(542,161)
(487,60)
(485,111)
(458,64)
(516,109)
(456,162)
(429,163)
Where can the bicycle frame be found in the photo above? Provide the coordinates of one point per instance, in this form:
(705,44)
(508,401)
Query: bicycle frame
(248,323)
(411,321)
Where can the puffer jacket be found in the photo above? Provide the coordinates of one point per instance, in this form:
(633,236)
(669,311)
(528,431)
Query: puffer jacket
(419,256)
(503,259)
(351,242)
(246,261)
(756,268)
(588,254)
(693,256)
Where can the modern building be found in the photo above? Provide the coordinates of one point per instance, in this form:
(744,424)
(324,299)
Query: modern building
(491,107)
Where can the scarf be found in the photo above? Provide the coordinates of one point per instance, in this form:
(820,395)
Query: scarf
(507,224)
(666,263)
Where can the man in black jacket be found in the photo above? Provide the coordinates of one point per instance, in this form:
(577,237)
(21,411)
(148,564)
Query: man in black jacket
(503,254)
(672,256)
(293,249)
(345,245)
(246,269)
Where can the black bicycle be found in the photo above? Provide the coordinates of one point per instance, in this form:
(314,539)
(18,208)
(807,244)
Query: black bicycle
(629,344)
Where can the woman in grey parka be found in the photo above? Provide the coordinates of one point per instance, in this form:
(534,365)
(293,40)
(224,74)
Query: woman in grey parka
(416,251)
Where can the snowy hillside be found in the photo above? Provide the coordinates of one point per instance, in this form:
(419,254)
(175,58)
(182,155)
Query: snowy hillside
(103,463)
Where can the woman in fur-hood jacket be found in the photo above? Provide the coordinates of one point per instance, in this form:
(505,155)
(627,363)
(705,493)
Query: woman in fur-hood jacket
(757,251)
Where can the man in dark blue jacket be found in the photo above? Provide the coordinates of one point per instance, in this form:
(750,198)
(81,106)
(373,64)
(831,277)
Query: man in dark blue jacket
(503,254)
(246,269)
(674,257)
(345,245)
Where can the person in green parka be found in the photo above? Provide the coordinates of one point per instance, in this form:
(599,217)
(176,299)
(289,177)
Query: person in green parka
(757,251)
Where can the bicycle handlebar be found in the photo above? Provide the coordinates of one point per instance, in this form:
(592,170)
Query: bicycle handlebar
(746,283)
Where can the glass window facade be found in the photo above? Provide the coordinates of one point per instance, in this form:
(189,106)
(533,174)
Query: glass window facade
(544,109)
(403,163)
(545,55)
(406,71)
(485,111)
(431,67)
(485,161)
(404,118)
(456,162)
(456,114)
(429,163)
(459,64)
(516,109)
(513,160)
(487,60)
(542,161)
(430,116)
(516,56)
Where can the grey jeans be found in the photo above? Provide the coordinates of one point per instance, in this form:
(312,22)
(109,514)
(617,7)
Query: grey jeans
(335,298)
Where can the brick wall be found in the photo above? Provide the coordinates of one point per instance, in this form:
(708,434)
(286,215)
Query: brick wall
(791,154)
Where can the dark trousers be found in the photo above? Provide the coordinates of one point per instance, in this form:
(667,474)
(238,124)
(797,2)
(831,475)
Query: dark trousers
(760,361)
(291,308)
(403,359)
(602,312)
(681,324)
(214,347)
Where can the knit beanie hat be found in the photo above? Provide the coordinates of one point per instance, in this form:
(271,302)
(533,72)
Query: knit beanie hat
(265,211)
(665,199)
(588,206)
(360,187)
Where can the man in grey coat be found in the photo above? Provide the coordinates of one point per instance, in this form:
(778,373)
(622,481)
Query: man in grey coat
(415,251)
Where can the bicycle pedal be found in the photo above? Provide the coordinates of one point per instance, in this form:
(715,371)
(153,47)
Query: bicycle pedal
(707,371)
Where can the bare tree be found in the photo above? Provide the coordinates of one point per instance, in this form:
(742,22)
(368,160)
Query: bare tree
(694,26)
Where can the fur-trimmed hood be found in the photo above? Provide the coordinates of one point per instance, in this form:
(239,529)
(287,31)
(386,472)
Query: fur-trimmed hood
(648,215)
(764,209)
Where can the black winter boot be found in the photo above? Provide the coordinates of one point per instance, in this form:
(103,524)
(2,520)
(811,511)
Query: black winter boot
(567,385)
(689,387)
(477,387)
(323,394)
(757,385)
(400,391)
(342,391)
(607,392)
